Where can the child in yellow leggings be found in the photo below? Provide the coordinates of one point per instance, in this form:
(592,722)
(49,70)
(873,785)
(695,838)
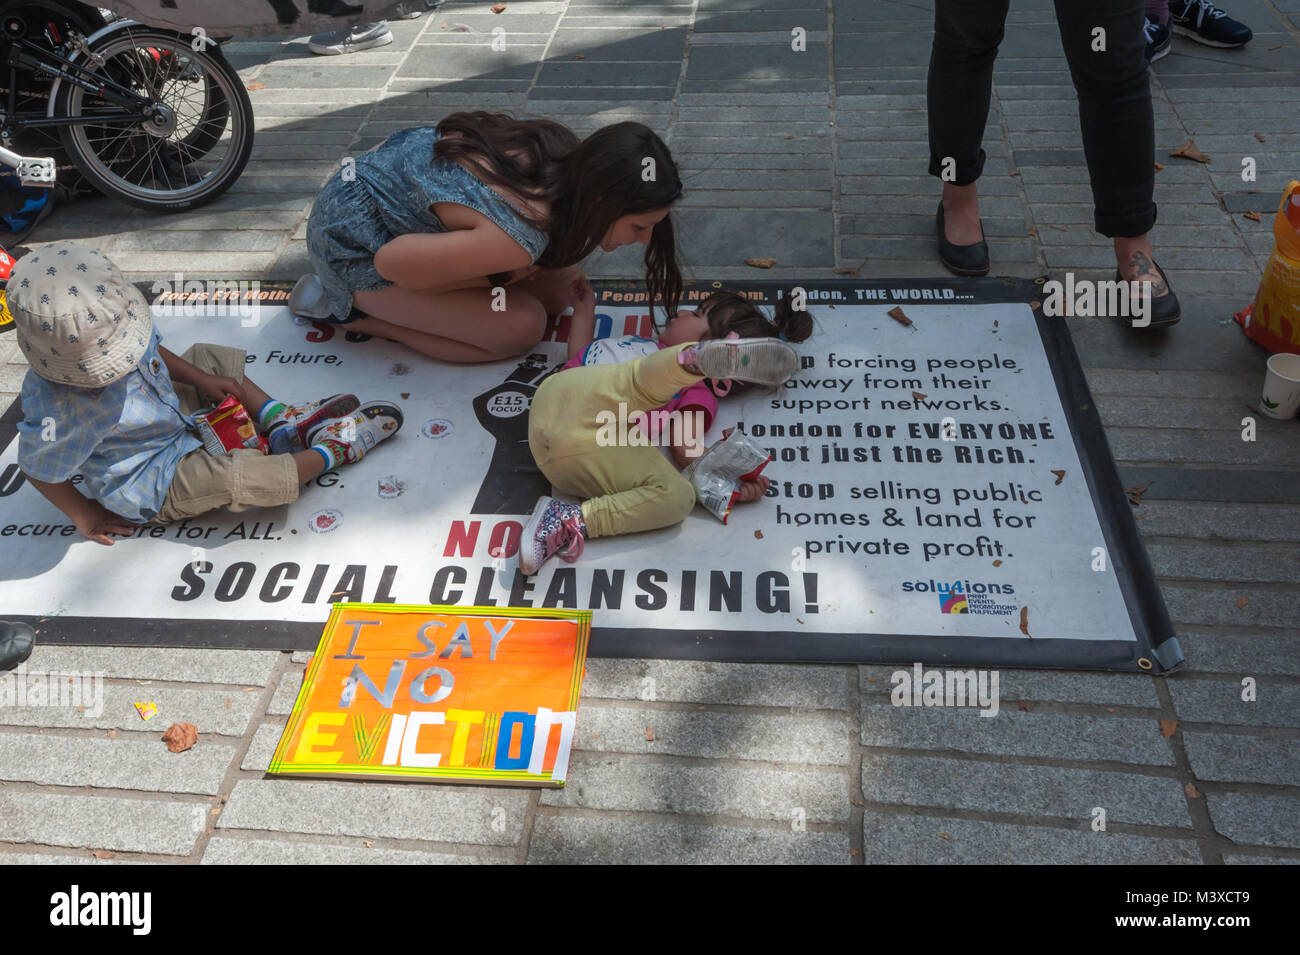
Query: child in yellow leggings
(629,486)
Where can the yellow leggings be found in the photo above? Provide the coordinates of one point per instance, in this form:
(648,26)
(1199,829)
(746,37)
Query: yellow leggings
(625,489)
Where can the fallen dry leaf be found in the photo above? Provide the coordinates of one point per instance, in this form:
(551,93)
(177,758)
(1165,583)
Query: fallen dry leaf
(1252,215)
(1110,709)
(945,835)
(1241,602)
(1024,622)
(1159,166)
(997,563)
(649,734)
(1188,150)
(1168,728)
(1022,705)
(406,394)
(181,736)
(368,844)
(917,396)
(1060,475)
(758,535)
(578,56)
(255,85)
(105,854)
(1192,791)
(1260,137)
(761,263)
(498,8)
(1135,493)
(112,734)
(897,314)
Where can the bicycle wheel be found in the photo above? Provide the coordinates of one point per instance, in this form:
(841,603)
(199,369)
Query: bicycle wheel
(191,151)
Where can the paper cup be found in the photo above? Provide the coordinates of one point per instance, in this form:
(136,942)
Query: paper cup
(1281,395)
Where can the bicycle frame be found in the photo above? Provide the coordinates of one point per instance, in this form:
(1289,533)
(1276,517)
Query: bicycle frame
(39,171)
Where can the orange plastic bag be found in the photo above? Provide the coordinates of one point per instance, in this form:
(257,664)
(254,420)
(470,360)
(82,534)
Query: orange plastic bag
(1273,319)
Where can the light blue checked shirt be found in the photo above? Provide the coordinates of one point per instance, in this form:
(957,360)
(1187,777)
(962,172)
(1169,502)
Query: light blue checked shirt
(126,439)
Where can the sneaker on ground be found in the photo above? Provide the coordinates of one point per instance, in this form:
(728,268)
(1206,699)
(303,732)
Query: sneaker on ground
(1159,39)
(363,36)
(764,361)
(307,300)
(1205,23)
(303,419)
(555,528)
(354,435)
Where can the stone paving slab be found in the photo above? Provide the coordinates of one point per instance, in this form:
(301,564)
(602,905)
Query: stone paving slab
(474,815)
(895,839)
(121,763)
(1067,794)
(225,850)
(666,786)
(612,840)
(100,822)
(220,712)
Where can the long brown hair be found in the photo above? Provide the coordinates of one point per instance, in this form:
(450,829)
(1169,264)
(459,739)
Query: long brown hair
(588,184)
(728,312)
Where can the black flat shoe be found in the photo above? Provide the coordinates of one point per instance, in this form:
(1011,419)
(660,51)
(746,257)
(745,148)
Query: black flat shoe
(961,259)
(16,642)
(1165,310)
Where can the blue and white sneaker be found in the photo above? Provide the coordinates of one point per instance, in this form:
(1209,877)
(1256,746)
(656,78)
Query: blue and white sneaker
(1205,23)
(1159,39)
(556,528)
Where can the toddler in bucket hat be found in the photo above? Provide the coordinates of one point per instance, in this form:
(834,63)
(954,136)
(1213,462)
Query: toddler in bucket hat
(105,403)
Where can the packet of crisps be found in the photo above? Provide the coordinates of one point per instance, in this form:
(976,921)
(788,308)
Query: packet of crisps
(227,428)
(718,473)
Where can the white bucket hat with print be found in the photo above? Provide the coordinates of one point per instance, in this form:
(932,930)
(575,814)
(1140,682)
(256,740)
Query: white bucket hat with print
(79,321)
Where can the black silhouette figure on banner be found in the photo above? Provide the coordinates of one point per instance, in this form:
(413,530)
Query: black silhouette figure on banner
(513,482)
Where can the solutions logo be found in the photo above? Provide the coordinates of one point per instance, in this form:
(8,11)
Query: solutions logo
(964,596)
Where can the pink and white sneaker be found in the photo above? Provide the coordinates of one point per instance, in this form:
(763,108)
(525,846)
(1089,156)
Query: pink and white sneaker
(556,528)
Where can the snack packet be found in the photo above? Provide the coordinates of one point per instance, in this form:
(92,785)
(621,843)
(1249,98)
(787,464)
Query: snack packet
(718,473)
(227,428)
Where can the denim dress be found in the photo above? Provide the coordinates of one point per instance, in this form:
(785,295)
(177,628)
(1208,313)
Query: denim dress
(390,195)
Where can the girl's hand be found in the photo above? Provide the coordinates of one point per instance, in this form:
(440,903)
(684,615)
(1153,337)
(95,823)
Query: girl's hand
(751,491)
(216,389)
(97,522)
(581,296)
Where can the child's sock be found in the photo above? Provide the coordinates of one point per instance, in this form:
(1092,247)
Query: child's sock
(272,413)
(334,452)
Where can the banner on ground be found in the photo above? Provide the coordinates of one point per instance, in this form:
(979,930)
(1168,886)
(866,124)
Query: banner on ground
(459,694)
(941,491)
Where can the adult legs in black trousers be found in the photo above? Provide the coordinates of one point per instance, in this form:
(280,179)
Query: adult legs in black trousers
(1115,117)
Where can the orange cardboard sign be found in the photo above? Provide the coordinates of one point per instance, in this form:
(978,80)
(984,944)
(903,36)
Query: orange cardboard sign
(463,694)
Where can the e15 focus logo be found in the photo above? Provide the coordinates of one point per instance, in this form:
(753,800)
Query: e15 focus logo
(77,908)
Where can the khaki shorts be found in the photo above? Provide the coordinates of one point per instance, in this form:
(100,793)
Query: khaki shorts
(240,480)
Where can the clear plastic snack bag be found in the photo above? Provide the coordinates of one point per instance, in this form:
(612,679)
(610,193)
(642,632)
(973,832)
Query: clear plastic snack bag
(718,473)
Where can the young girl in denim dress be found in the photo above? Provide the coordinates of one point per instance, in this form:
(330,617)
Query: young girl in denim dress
(417,240)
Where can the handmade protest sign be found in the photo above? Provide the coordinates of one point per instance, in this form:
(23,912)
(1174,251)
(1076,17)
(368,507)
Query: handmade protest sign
(459,694)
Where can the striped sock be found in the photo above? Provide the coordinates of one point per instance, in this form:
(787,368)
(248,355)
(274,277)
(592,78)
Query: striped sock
(271,414)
